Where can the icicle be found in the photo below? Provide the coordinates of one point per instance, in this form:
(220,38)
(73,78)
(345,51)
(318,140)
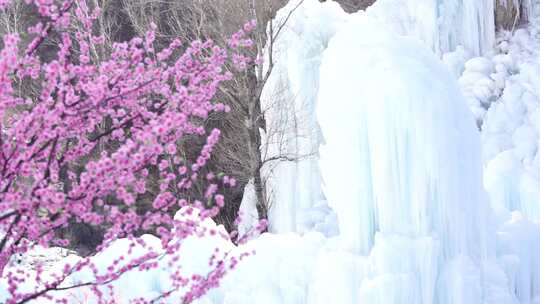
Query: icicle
(441,24)
(402,169)
(292,135)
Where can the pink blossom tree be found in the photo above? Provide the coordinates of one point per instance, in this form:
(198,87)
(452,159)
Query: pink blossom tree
(149,100)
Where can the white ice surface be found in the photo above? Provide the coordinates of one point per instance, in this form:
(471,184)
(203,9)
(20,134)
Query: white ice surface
(292,135)
(442,24)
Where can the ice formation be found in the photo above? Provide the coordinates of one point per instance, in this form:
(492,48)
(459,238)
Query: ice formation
(442,24)
(402,166)
(292,134)
(504,90)
(404,156)
(402,169)
(248,215)
(511,142)
(289,98)
(482,82)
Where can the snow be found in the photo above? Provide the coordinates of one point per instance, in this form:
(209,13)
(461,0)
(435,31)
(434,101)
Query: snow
(195,253)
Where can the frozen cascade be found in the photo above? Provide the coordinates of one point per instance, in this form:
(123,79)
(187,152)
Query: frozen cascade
(415,236)
(402,168)
(511,142)
(297,203)
(511,132)
(292,134)
(442,24)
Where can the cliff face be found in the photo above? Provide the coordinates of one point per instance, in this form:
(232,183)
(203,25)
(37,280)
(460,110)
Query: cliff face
(351,6)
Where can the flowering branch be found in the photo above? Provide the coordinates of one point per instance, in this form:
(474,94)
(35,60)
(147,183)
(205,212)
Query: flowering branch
(140,101)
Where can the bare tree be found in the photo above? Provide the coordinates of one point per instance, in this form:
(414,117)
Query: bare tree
(12,18)
(241,144)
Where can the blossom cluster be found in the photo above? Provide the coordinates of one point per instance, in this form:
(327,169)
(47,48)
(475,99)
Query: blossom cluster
(141,101)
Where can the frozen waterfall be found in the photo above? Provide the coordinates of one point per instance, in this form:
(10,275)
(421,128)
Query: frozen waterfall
(402,151)
(442,24)
(289,98)
(398,154)
(292,134)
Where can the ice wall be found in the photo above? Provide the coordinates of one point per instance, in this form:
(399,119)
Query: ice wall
(511,142)
(292,135)
(401,146)
(401,167)
(401,164)
(400,155)
(511,130)
(441,24)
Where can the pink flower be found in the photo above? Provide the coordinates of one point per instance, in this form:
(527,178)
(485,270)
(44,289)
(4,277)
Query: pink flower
(56,175)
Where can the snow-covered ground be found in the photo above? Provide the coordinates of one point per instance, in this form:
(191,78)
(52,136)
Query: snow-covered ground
(418,176)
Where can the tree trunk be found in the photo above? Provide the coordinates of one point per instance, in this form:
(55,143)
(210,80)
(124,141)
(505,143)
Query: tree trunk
(255,122)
